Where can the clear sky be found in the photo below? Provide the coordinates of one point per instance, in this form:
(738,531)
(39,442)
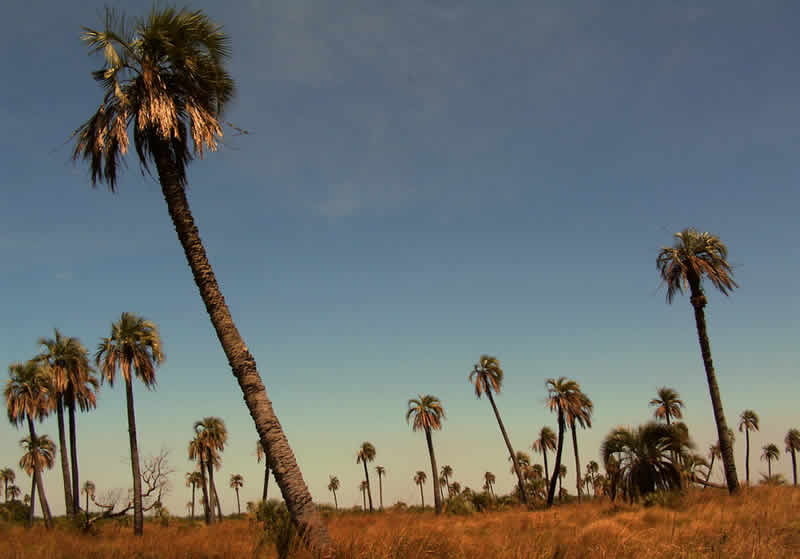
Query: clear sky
(422,182)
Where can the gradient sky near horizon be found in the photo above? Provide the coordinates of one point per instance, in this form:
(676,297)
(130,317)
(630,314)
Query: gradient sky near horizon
(422,182)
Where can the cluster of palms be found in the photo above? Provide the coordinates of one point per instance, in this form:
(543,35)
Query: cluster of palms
(60,377)
(749,421)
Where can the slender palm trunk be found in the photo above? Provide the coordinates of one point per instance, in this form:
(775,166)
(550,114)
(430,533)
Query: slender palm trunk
(698,302)
(710,469)
(238,504)
(437,497)
(421,495)
(447,483)
(208,512)
(369,490)
(523,497)
(48,518)
(577,461)
(194,487)
(560,489)
(280,456)
(335,501)
(546,472)
(747,454)
(266,480)
(62,443)
(794,468)
(380,488)
(33,478)
(212,487)
(138,514)
(364,499)
(769,467)
(87,509)
(557,464)
(73,449)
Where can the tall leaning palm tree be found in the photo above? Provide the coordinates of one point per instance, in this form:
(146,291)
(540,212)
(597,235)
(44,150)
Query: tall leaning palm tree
(427,413)
(260,454)
(366,453)
(668,404)
(693,256)
(133,348)
(28,398)
(487,376)
(7,476)
(792,441)
(40,454)
(562,394)
(544,442)
(213,435)
(381,472)
(75,386)
(165,78)
(237,482)
(333,486)
(769,453)
(579,414)
(420,478)
(748,421)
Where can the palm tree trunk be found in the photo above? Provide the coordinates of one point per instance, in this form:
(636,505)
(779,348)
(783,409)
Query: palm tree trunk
(238,504)
(769,467)
(48,519)
(364,499)
(208,511)
(560,489)
(447,483)
(710,468)
(212,488)
(266,480)
(523,496)
(138,514)
(73,449)
(87,509)
(577,461)
(794,468)
(194,487)
(557,464)
(380,488)
(369,490)
(280,456)
(422,496)
(698,302)
(747,454)
(62,443)
(335,500)
(546,472)
(33,477)
(437,497)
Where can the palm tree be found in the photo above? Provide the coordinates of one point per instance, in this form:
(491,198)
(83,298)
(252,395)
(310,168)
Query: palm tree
(487,376)
(420,478)
(39,454)
(363,487)
(381,472)
(579,413)
(197,451)
(592,469)
(27,394)
(562,395)
(546,441)
(14,492)
(74,385)
(166,77)
(668,404)
(713,452)
(366,453)
(428,415)
(134,347)
(7,476)
(769,453)
(333,486)
(259,455)
(562,473)
(446,473)
(489,478)
(693,256)
(641,459)
(212,434)
(792,441)
(193,479)
(88,490)
(456,488)
(748,421)
(442,484)
(237,482)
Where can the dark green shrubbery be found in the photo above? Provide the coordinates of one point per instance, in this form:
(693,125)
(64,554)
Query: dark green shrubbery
(278,527)
(14,511)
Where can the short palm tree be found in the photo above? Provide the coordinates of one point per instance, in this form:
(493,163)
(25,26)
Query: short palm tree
(693,256)
(193,480)
(580,413)
(88,490)
(544,442)
(197,451)
(74,385)
(14,492)
(456,488)
(442,484)
(420,478)
(333,486)
(668,404)
(133,348)
(237,482)
(212,434)
(39,455)
(366,453)
(487,377)
(748,421)
(260,454)
(363,487)
(381,472)
(562,473)
(792,441)
(427,413)
(490,479)
(28,398)
(769,453)
(592,469)
(165,77)
(562,395)
(713,453)
(446,473)
(7,476)
(641,458)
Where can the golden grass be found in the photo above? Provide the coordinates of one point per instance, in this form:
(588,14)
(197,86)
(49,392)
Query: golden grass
(761,523)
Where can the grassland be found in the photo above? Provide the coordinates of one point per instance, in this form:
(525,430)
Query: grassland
(760,523)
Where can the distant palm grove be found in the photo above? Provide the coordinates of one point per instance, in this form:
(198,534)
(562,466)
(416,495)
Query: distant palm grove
(164,81)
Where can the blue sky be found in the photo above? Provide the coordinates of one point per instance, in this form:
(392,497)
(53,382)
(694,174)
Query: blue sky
(422,182)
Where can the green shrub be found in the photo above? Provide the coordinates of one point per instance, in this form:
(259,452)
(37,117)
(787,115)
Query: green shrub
(14,511)
(460,505)
(278,527)
(666,499)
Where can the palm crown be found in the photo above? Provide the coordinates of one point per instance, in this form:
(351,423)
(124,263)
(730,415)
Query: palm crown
(166,77)
(420,477)
(792,440)
(563,394)
(134,346)
(27,392)
(212,435)
(366,452)
(770,452)
(748,420)
(39,453)
(333,483)
(237,481)
(68,362)
(487,375)
(546,440)
(427,413)
(668,404)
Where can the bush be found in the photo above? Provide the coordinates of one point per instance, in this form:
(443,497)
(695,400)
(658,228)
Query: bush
(666,499)
(460,505)
(278,527)
(14,511)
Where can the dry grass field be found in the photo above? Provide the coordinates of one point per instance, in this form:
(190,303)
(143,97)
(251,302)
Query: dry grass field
(761,523)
